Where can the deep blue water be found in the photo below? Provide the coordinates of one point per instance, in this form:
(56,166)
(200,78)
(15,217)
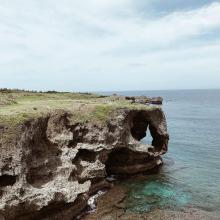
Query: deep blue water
(191,172)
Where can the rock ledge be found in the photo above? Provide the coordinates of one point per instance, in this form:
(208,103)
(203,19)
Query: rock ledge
(49,170)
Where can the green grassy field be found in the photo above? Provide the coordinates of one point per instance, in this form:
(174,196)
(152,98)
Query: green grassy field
(17,106)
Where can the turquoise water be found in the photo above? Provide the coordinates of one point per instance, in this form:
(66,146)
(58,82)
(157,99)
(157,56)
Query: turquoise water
(190,176)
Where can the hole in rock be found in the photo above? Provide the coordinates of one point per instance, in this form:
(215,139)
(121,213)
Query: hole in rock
(139,126)
(147,140)
(86,155)
(124,161)
(42,162)
(82,155)
(7,180)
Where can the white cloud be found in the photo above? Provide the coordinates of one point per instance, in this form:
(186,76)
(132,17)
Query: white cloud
(91,38)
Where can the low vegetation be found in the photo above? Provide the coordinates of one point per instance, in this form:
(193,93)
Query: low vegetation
(16,106)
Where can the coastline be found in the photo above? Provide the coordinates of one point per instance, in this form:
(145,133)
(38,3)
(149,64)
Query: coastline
(111,206)
(58,149)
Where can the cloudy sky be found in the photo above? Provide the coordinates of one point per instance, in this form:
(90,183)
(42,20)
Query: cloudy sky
(95,45)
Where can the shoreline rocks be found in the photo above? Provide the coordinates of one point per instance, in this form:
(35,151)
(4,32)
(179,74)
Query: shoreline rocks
(112,206)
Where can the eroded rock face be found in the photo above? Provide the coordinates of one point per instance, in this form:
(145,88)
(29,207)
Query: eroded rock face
(145,100)
(50,170)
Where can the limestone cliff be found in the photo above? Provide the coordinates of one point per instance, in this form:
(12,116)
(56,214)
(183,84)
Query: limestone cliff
(53,164)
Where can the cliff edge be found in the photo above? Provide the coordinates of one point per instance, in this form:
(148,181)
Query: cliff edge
(58,148)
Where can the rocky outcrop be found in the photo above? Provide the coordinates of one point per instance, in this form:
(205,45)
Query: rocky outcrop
(52,166)
(145,100)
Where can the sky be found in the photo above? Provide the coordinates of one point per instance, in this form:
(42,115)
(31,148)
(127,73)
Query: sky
(109,45)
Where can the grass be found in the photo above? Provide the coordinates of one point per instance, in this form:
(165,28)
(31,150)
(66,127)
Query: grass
(96,114)
(102,112)
(17,106)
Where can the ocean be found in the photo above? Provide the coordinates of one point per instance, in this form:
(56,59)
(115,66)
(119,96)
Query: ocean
(190,176)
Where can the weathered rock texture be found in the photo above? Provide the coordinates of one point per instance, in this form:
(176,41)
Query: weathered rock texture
(145,100)
(51,168)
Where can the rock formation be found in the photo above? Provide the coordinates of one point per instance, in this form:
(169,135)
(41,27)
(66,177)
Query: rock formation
(52,166)
(145,100)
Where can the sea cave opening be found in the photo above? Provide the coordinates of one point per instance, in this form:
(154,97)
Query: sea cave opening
(124,161)
(139,128)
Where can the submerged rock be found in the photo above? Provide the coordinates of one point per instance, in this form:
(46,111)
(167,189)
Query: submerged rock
(113,206)
(52,166)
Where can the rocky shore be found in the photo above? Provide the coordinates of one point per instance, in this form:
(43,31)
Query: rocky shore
(58,149)
(111,206)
